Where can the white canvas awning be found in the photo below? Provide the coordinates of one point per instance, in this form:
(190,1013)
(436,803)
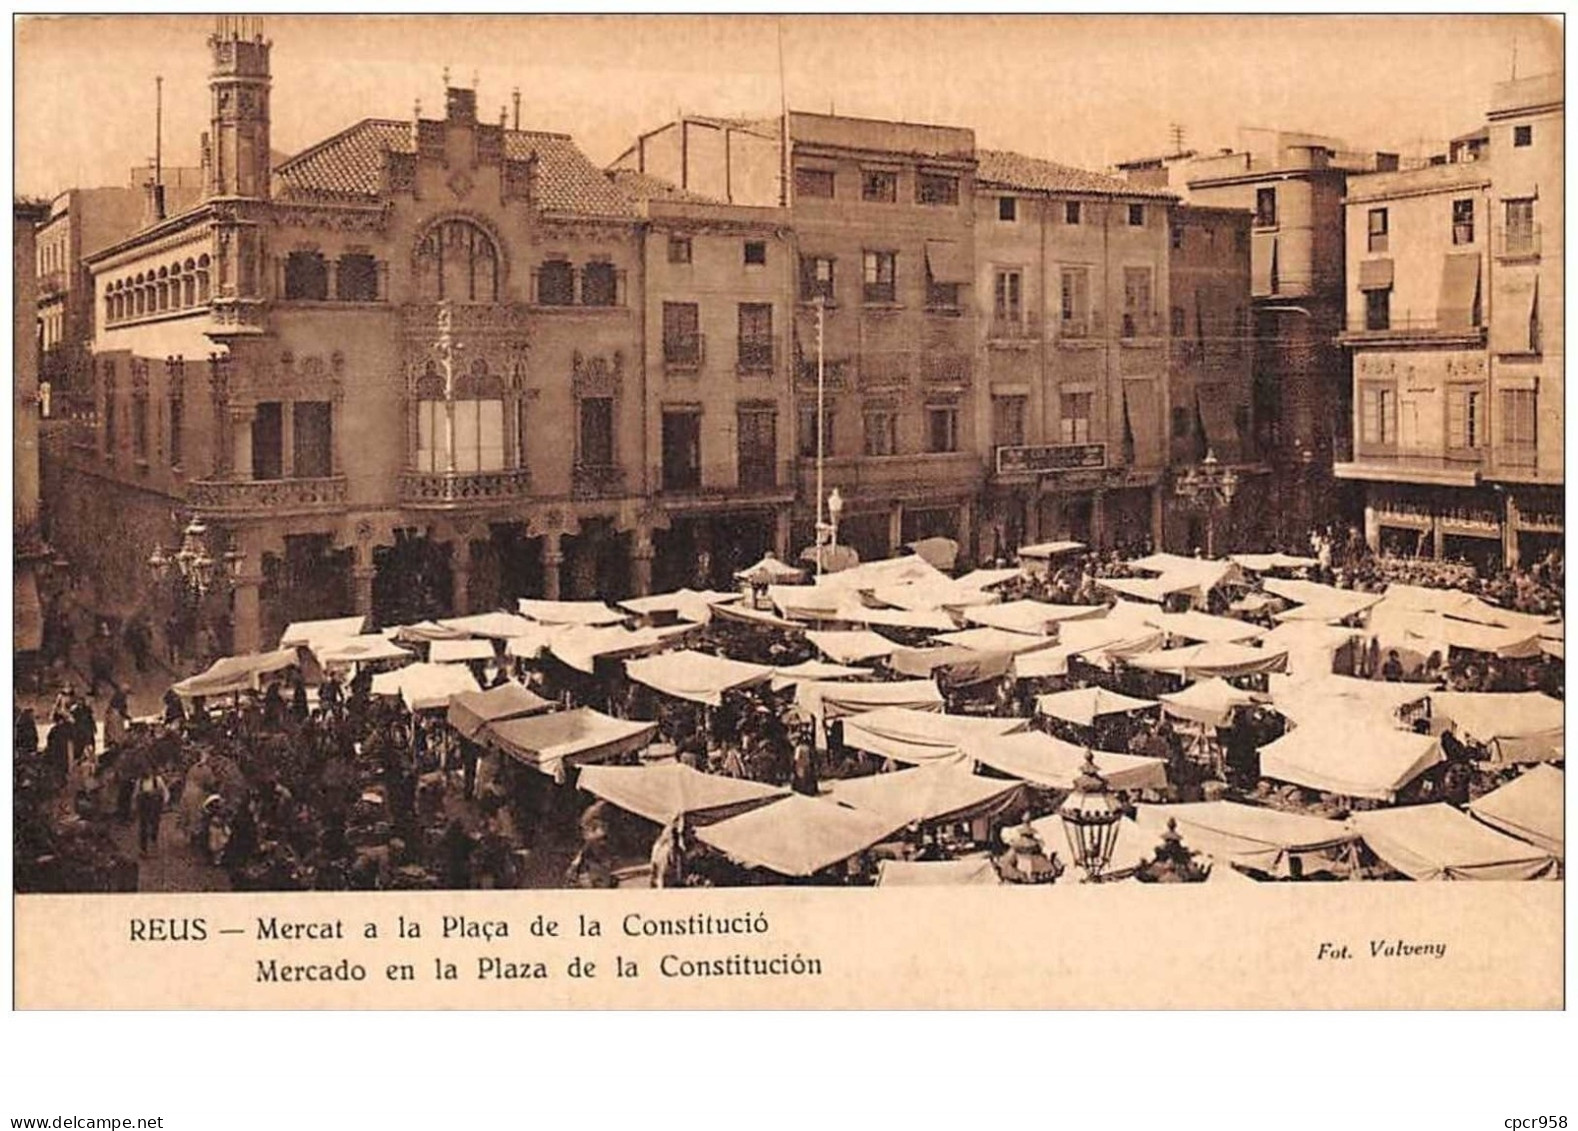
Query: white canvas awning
(951,665)
(931,595)
(1437,842)
(918,736)
(770,571)
(987,578)
(670,790)
(943,793)
(582,647)
(552,741)
(1202,661)
(494,625)
(978,870)
(1520,726)
(797,836)
(994,640)
(1366,703)
(1033,618)
(358,650)
(460,651)
(1083,705)
(807,602)
(927,620)
(785,677)
(1265,563)
(1051,763)
(1203,627)
(1209,701)
(532,643)
(1349,758)
(698,677)
(851,647)
(306,633)
(570,612)
(825,701)
(1263,839)
(426,687)
(469,712)
(236,673)
(1529,807)
(694,605)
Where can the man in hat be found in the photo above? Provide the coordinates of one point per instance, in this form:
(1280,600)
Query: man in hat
(152,795)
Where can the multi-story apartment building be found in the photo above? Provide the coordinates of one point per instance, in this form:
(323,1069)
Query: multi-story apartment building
(401,372)
(719,286)
(28,545)
(1454,301)
(1292,184)
(1071,286)
(883,218)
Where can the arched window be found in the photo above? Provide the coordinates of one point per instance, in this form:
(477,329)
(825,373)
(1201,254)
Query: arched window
(141,299)
(202,278)
(479,420)
(457,261)
(306,276)
(164,295)
(109,308)
(357,278)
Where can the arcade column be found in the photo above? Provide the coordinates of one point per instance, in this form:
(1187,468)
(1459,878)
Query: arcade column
(552,564)
(460,577)
(641,562)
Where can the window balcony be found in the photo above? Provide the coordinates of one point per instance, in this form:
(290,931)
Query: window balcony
(1080,327)
(1410,327)
(684,353)
(462,490)
(1007,330)
(217,498)
(597,481)
(757,355)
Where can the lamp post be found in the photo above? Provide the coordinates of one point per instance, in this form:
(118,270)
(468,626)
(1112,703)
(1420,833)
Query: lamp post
(194,567)
(1208,487)
(821,423)
(1090,819)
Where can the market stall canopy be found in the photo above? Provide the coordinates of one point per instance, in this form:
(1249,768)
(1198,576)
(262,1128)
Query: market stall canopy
(1044,663)
(987,578)
(829,560)
(917,736)
(936,873)
(1529,807)
(1112,638)
(1312,647)
(694,605)
(1350,757)
(1420,634)
(1262,839)
(759,618)
(931,595)
(670,790)
(459,651)
(994,640)
(1202,661)
(581,647)
(1209,701)
(925,620)
(797,836)
(1052,763)
(1043,552)
(1436,842)
(1366,703)
(1554,649)
(532,643)
(851,647)
(1318,602)
(471,711)
(1265,563)
(306,633)
(426,687)
(698,677)
(495,625)
(1204,627)
(807,602)
(1134,846)
(786,677)
(1194,575)
(825,701)
(887,571)
(940,553)
(1255,603)
(423,632)
(1033,618)
(558,739)
(591,613)
(1153,589)
(951,665)
(1082,705)
(931,794)
(236,673)
(357,650)
(770,571)
(1517,726)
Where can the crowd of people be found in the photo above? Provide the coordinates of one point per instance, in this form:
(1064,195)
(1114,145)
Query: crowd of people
(330,787)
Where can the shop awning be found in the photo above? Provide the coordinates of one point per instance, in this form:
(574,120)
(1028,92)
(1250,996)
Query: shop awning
(851,647)
(1054,764)
(1262,839)
(797,836)
(570,612)
(1529,807)
(1436,842)
(426,687)
(1350,757)
(917,736)
(1033,618)
(551,742)
(665,792)
(1459,291)
(1083,705)
(306,633)
(1375,274)
(1512,313)
(1142,405)
(936,873)
(1517,726)
(697,677)
(235,673)
(470,712)
(948,261)
(459,651)
(934,794)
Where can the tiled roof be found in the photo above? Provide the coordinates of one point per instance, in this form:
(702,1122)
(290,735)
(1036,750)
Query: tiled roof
(349,166)
(1015,170)
(644,186)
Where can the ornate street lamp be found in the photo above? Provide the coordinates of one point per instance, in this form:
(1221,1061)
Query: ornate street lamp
(198,570)
(1173,863)
(1090,819)
(1208,487)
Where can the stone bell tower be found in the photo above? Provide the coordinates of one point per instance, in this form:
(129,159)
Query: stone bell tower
(239,89)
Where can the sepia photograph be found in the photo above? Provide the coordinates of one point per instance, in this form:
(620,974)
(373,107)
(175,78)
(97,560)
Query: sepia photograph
(493,453)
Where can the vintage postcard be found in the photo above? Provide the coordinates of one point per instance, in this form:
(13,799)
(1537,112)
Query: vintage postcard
(788,511)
